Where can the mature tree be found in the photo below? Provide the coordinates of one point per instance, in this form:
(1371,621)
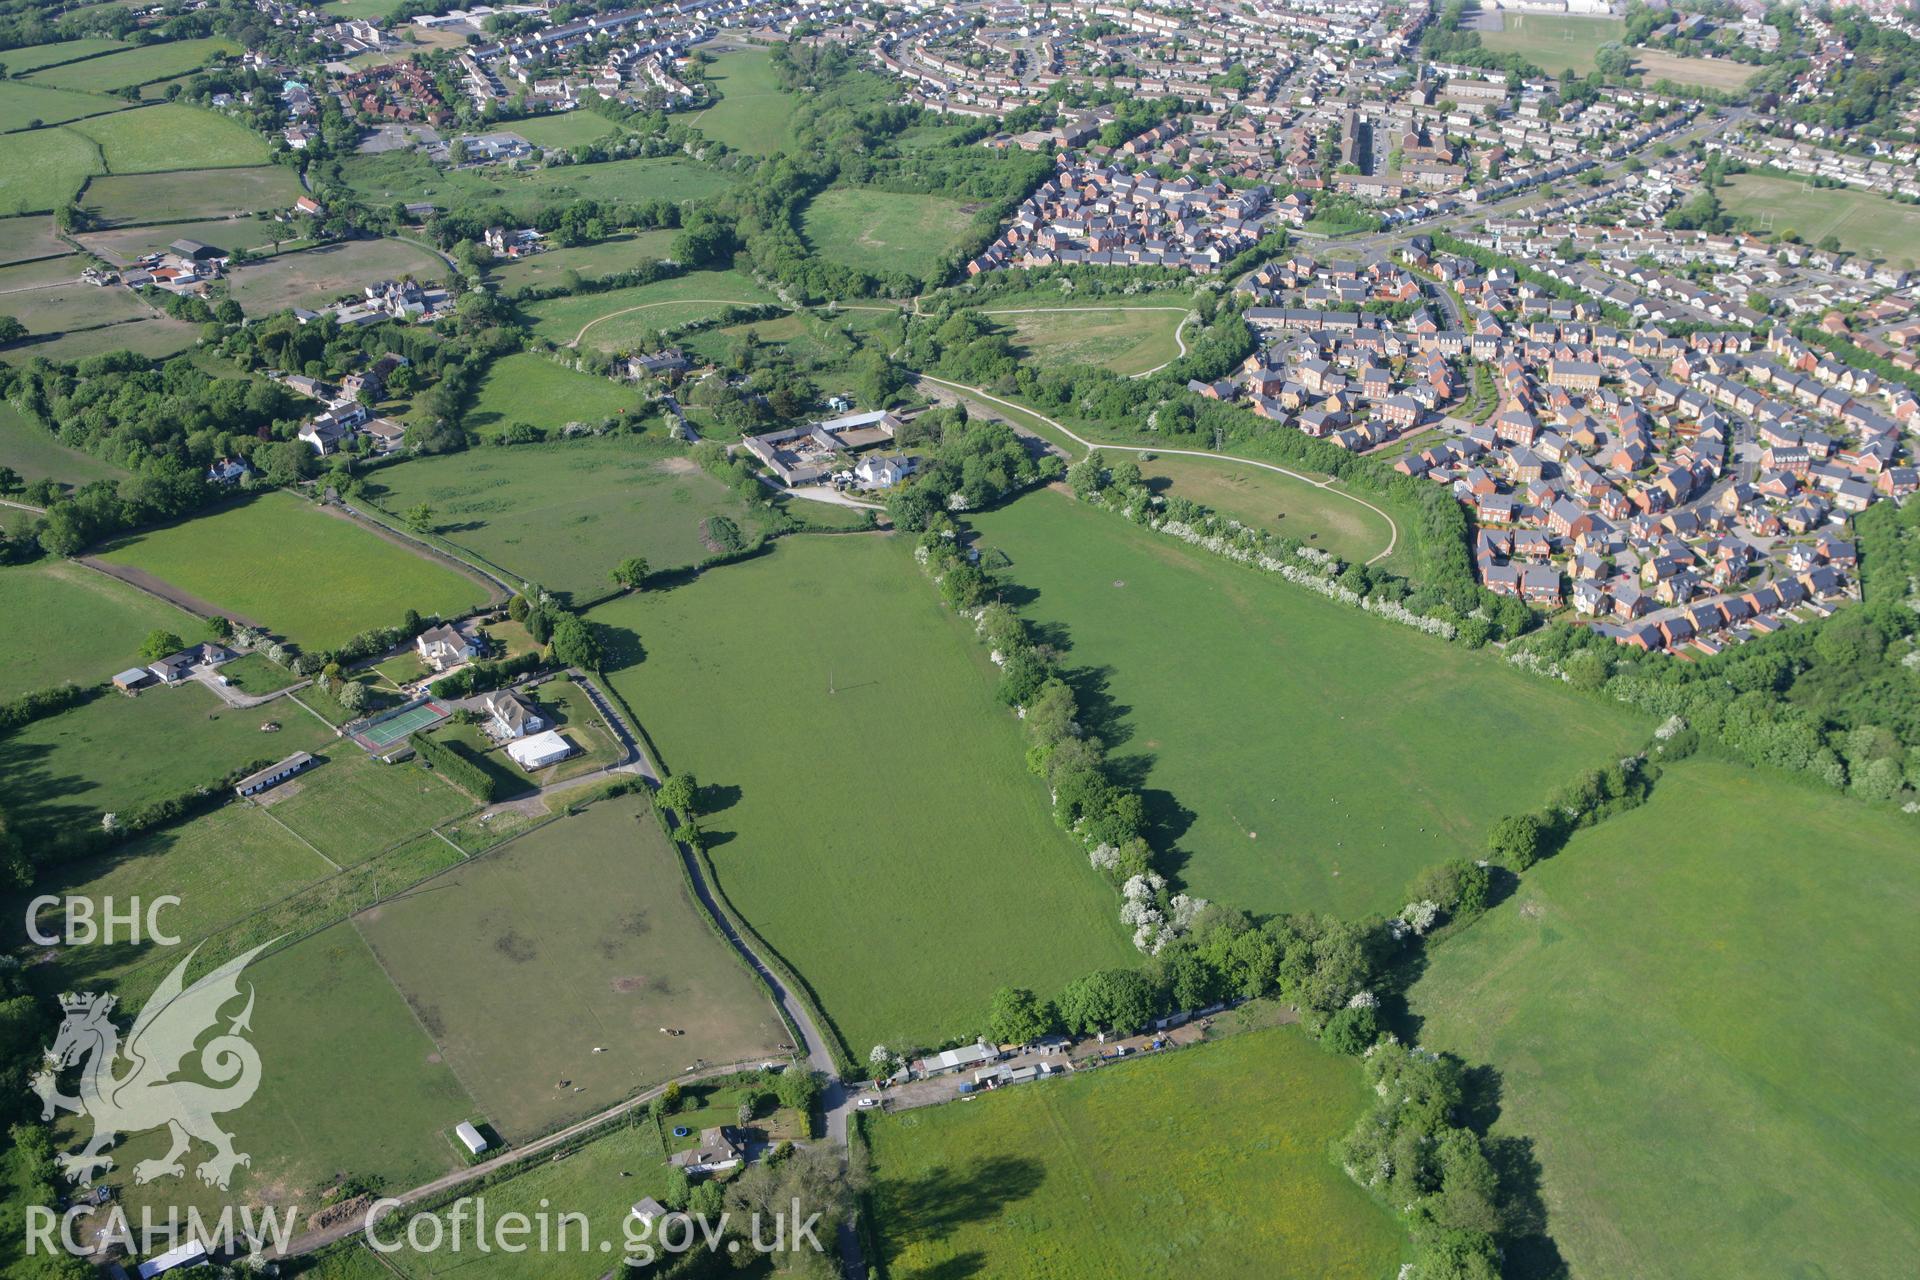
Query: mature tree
(631,572)
(575,644)
(813,1180)
(1016,1016)
(1515,841)
(160,643)
(420,517)
(679,793)
(798,1088)
(1108,999)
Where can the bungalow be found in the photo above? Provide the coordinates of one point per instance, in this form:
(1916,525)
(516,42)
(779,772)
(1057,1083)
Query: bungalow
(719,1149)
(273,775)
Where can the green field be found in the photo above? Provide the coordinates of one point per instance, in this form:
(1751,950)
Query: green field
(147,334)
(49,297)
(564,514)
(1125,339)
(314,577)
(884,231)
(591,260)
(533,389)
(351,807)
(22,239)
(319,1004)
(1269,500)
(114,753)
(182,197)
(221,866)
(29,449)
(1704,1019)
(69,624)
(173,136)
(43,169)
(1553,41)
(581,934)
(1297,754)
(754,113)
(1865,223)
(313,277)
(21,104)
(600,1181)
(617,319)
(872,817)
(35,56)
(1207,1161)
(411,177)
(135,66)
(562,129)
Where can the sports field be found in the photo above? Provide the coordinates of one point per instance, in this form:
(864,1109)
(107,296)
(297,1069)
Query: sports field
(313,277)
(68,624)
(1865,223)
(564,514)
(884,231)
(562,129)
(135,66)
(351,807)
(1703,1018)
(389,729)
(754,113)
(181,197)
(173,136)
(22,103)
(29,449)
(871,814)
(576,938)
(114,754)
(1722,74)
(1553,41)
(316,578)
(617,319)
(590,260)
(1297,754)
(1210,1160)
(533,389)
(1125,339)
(42,170)
(1269,500)
(409,177)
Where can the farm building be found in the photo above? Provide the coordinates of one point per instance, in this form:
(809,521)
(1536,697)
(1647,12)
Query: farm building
(646,1209)
(540,750)
(960,1059)
(190,1254)
(273,775)
(470,1137)
(132,678)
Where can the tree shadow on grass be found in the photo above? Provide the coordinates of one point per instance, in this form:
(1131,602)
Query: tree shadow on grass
(932,1206)
(620,646)
(1529,1251)
(960,1266)
(717,797)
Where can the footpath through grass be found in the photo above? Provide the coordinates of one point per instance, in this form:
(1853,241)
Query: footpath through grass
(1295,754)
(1704,1017)
(870,815)
(1209,1161)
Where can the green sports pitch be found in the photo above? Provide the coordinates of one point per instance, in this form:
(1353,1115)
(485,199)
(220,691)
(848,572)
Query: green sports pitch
(378,735)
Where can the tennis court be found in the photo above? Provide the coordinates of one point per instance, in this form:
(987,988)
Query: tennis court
(380,734)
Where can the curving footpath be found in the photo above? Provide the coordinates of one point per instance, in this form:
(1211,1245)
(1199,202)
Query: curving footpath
(1393,534)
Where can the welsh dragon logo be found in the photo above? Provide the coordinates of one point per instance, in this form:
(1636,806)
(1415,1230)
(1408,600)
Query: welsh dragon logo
(142,1094)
